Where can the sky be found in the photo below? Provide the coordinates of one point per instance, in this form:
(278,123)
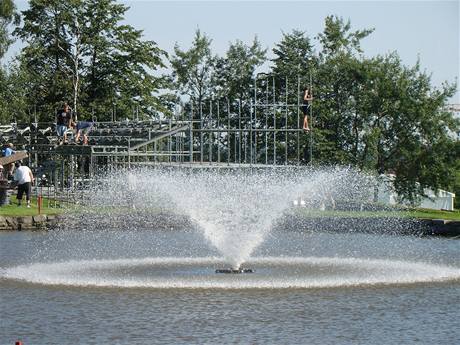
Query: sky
(424,30)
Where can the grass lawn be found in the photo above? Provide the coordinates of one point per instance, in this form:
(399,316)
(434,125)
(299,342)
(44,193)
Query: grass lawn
(13,210)
(435,214)
(415,213)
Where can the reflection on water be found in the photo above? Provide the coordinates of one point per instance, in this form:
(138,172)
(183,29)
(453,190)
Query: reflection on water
(373,313)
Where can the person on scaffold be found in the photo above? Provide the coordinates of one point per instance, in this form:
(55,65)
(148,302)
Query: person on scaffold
(306,100)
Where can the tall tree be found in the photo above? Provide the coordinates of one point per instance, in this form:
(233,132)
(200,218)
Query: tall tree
(45,56)
(294,56)
(193,69)
(16,89)
(8,15)
(120,66)
(233,82)
(336,82)
(337,37)
(412,130)
(81,48)
(237,69)
(294,66)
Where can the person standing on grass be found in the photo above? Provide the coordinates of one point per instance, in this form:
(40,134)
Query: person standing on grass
(24,177)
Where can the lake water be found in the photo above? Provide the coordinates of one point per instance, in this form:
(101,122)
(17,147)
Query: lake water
(159,287)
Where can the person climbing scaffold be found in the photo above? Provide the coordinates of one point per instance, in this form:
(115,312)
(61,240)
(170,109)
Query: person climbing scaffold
(306,100)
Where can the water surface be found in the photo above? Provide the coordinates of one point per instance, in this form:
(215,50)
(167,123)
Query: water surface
(417,303)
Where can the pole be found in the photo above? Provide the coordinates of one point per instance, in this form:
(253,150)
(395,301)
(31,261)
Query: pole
(36,124)
(218,126)
(266,121)
(255,120)
(274,122)
(311,122)
(211,134)
(253,106)
(285,126)
(201,133)
(191,135)
(39,204)
(240,131)
(298,119)
(228,138)
(169,142)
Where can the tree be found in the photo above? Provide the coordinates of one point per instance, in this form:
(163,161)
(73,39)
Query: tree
(119,64)
(233,84)
(338,84)
(76,49)
(45,56)
(80,48)
(193,69)
(238,67)
(8,15)
(414,131)
(295,63)
(294,57)
(456,183)
(337,37)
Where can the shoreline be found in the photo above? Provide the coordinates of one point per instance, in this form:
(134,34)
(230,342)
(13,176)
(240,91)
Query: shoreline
(419,227)
(28,223)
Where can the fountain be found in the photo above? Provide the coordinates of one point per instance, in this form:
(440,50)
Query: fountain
(169,227)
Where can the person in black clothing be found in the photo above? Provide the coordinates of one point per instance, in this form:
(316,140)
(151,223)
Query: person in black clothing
(63,122)
(306,99)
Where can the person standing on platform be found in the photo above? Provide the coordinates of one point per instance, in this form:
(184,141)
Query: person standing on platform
(24,177)
(63,122)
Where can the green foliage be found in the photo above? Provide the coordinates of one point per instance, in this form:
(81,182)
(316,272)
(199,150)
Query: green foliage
(374,113)
(236,71)
(193,68)
(119,72)
(15,90)
(79,51)
(294,57)
(456,183)
(337,39)
(8,15)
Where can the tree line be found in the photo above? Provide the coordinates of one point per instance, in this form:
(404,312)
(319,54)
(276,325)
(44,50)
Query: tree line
(371,112)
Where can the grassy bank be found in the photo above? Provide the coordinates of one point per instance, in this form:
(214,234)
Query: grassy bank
(435,214)
(415,213)
(13,210)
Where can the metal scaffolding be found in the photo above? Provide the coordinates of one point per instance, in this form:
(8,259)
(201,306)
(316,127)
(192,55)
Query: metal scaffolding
(263,129)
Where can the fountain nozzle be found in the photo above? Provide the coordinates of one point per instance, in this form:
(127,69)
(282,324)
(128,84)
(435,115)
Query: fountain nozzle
(237,270)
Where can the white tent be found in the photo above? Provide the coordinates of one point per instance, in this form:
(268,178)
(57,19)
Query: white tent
(439,200)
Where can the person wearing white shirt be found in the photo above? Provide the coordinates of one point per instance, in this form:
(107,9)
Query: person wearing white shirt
(24,177)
